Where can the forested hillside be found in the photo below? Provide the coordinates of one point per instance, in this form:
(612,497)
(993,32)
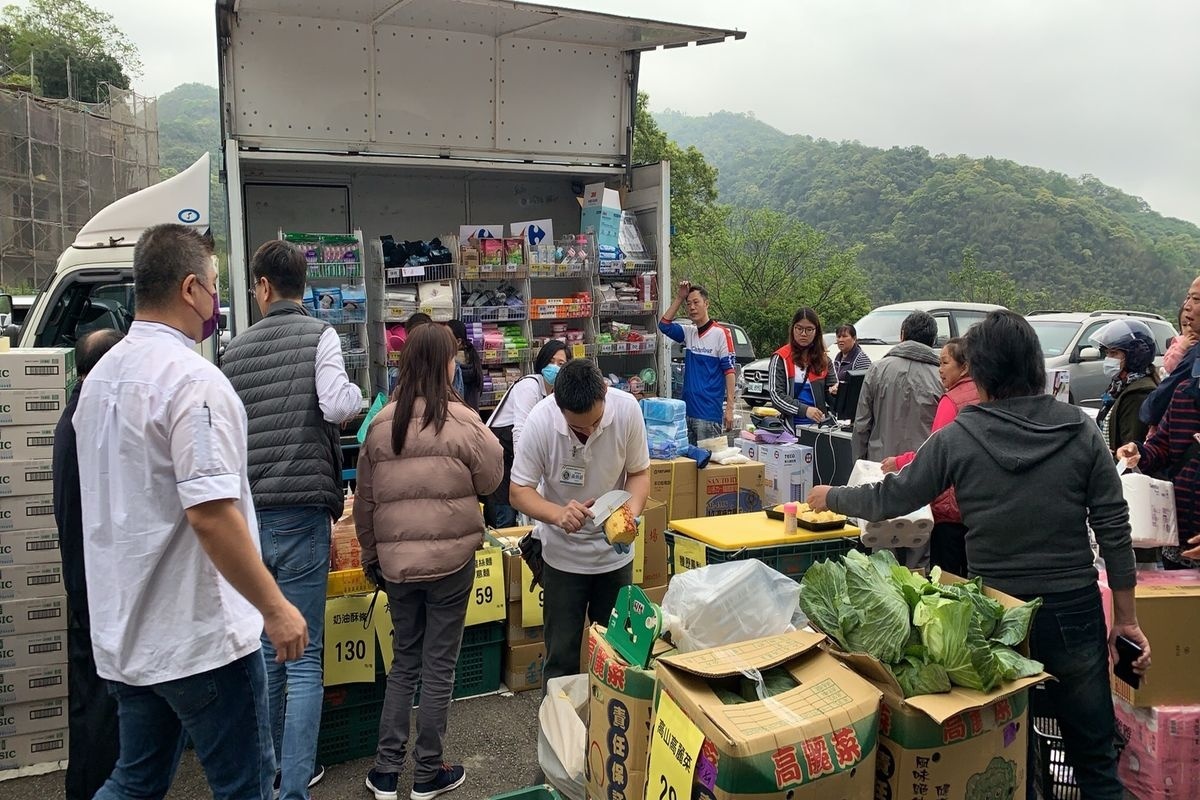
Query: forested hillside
(1069,242)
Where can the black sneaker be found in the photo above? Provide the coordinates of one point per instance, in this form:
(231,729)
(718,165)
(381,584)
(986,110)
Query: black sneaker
(449,778)
(383,784)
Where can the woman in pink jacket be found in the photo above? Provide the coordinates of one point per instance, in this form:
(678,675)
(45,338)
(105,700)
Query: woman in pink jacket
(426,459)
(948,548)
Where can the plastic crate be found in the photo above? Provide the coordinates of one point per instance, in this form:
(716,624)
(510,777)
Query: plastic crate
(792,560)
(1055,779)
(532,793)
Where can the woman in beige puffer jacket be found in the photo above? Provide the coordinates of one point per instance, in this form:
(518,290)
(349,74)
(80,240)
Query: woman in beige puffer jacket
(426,459)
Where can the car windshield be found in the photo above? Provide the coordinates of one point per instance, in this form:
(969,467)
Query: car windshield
(1055,337)
(882,324)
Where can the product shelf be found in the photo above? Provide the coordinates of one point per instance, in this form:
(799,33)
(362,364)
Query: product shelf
(354,361)
(621,309)
(494,314)
(342,316)
(647,346)
(496,358)
(329,270)
(493,273)
(626,268)
(399,276)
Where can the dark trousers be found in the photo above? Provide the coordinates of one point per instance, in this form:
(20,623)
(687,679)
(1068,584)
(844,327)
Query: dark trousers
(948,547)
(93,715)
(497,510)
(1069,636)
(427,619)
(569,597)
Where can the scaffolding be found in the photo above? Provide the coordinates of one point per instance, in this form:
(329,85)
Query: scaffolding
(61,161)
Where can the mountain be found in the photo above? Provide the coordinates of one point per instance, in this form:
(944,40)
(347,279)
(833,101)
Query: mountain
(188,126)
(1059,238)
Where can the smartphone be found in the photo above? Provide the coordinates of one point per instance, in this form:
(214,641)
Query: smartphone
(1128,652)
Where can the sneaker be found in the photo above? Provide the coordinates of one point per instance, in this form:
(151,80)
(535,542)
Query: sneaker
(318,774)
(383,784)
(449,778)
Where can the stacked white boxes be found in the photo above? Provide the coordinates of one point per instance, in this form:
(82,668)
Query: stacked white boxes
(35,385)
(788,470)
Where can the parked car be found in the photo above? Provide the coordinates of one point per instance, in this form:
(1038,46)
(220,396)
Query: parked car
(878,332)
(1065,336)
(743,353)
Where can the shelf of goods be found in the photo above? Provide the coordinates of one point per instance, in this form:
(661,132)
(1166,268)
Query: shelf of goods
(337,294)
(626,293)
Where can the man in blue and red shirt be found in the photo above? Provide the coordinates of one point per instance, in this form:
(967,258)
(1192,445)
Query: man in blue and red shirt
(708,360)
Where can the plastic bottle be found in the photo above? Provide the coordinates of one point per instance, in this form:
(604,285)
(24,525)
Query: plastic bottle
(789,519)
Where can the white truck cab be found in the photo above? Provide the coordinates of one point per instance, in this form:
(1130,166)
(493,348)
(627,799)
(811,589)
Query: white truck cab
(92,284)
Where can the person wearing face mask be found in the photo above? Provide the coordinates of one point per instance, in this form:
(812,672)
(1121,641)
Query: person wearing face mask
(178,593)
(1128,349)
(508,422)
(468,366)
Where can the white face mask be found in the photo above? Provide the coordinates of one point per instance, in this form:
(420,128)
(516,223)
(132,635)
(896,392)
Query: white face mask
(1112,367)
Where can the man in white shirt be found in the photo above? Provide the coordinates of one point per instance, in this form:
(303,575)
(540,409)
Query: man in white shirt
(289,372)
(178,591)
(585,440)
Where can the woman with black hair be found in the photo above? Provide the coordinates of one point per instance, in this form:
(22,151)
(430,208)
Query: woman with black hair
(508,420)
(468,366)
(799,377)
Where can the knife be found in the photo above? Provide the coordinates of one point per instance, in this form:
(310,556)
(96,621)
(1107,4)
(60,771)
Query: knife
(605,505)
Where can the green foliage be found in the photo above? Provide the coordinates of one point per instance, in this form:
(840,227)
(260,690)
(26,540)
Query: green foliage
(55,32)
(759,266)
(1036,238)
(189,126)
(693,179)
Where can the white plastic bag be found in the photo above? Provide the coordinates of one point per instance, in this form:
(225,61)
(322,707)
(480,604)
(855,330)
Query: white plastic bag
(562,734)
(912,530)
(1151,510)
(728,603)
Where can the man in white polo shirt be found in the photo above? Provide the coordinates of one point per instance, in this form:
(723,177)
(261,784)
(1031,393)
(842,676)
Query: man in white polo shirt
(583,441)
(177,587)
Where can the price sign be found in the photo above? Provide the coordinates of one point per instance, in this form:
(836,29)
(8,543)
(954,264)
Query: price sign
(413,272)
(578,351)
(689,554)
(487,595)
(674,744)
(349,640)
(532,600)
(385,634)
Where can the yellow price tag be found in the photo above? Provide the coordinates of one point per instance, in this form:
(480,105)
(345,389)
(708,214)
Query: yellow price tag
(385,634)
(349,640)
(674,745)
(689,554)
(487,595)
(578,351)
(532,600)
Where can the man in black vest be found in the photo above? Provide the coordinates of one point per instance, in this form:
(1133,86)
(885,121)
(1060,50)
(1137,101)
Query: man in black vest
(289,372)
(93,711)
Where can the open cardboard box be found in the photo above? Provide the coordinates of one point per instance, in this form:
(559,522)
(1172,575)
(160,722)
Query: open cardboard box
(815,740)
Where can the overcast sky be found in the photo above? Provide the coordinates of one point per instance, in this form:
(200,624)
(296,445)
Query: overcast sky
(1107,87)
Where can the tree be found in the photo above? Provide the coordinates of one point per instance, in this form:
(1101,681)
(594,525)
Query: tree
(759,266)
(693,179)
(57,32)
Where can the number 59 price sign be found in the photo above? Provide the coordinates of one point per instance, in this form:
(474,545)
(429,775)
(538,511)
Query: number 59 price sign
(486,603)
(675,743)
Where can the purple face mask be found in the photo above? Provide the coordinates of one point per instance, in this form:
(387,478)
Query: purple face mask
(211,324)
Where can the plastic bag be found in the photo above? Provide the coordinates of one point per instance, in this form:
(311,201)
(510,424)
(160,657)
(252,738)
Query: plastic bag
(728,603)
(562,734)
(911,530)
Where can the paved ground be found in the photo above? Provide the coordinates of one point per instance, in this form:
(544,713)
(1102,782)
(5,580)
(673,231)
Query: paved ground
(495,737)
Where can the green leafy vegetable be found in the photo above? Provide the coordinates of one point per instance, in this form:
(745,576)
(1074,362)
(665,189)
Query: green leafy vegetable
(1013,665)
(1014,626)
(885,624)
(916,677)
(824,600)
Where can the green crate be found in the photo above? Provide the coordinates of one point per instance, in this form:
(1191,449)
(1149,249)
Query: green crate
(792,560)
(350,713)
(532,793)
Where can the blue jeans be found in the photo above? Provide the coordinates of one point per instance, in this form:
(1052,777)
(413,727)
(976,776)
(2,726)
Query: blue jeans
(701,429)
(1070,638)
(295,548)
(223,712)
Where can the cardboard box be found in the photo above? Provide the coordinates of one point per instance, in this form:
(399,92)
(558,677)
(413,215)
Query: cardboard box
(26,477)
(673,483)
(655,566)
(34,615)
(1172,681)
(516,633)
(35,717)
(1161,752)
(735,489)
(33,650)
(33,406)
(34,748)
(523,666)
(32,684)
(30,547)
(787,472)
(816,740)
(31,580)
(656,593)
(621,707)
(26,513)
(25,442)
(37,368)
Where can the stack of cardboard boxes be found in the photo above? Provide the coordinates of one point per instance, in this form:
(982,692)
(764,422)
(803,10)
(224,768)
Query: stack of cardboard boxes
(35,385)
(787,470)
(689,492)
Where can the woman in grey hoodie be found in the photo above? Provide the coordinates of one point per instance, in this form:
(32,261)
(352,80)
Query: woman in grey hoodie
(1030,474)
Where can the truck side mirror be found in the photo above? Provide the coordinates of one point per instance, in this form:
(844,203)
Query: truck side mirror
(6,306)
(1087,354)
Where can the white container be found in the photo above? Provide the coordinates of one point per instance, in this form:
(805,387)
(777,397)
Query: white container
(1151,510)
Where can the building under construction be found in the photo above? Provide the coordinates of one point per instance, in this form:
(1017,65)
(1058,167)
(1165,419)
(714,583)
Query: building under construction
(61,161)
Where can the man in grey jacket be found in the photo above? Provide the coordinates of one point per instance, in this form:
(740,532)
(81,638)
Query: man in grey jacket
(900,394)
